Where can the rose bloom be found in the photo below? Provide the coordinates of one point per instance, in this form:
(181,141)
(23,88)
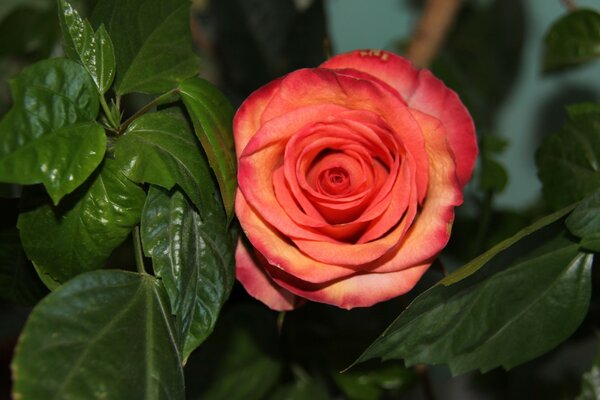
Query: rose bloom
(348,178)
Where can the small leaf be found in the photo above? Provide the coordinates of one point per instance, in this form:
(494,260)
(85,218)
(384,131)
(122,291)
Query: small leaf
(569,161)
(493,175)
(159,148)
(373,382)
(504,320)
(582,109)
(573,39)
(193,255)
(18,280)
(80,234)
(103,335)
(61,159)
(590,383)
(94,50)
(39,142)
(584,222)
(478,262)
(152,43)
(212,116)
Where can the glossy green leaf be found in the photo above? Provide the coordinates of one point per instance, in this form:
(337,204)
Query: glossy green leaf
(569,161)
(241,360)
(159,148)
(61,159)
(39,142)
(94,50)
(18,281)
(584,222)
(509,318)
(193,255)
(103,335)
(478,262)
(573,39)
(152,43)
(212,116)
(80,234)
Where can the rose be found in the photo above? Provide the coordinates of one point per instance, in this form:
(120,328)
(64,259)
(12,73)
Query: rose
(348,178)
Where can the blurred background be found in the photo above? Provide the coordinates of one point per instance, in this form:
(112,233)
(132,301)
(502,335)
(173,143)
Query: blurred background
(491,55)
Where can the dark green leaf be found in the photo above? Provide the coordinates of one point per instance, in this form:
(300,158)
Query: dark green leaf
(38,141)
(504,320)
(61,159)
(80,234)
(371,383)
(212,116)
(7,6)
(572,40)
(307,389)
(18,280)
(240,361)
(569,161)
(159,148)
(474,265)
(493,175)
(152,43)
(95,50)
(584,221)
(193,255)
(582,109)
(103,335)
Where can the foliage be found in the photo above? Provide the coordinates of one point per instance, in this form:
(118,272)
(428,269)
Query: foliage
(118,181)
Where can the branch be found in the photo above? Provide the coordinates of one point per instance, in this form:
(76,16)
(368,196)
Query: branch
(431,30)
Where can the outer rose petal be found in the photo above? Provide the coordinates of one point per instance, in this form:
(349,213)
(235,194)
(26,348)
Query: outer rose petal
(423,92)
(258,284)
(360,290)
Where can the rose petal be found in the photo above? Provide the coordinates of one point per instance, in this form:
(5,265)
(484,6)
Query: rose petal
(359,290)
(250,271)
(422,91)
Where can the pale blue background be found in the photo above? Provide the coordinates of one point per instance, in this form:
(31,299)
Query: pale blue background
(536,104)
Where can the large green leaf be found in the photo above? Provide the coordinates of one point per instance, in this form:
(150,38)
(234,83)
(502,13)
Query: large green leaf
(584,221)
(159,148)
(103,335)
(573,39)
(504,320)
(95,50)
(212,116)
(241,360)
(193,255)
(478,262)
(18,280)
(38,141)
(80,234)
(152,43)
(569,161)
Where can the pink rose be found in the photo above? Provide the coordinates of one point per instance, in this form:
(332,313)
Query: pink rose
(348,178)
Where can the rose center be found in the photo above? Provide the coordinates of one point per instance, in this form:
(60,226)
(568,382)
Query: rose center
(334,181)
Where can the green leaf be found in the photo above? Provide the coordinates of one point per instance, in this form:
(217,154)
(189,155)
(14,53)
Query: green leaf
(18,280)
(212,116)
(371,383)
(159,148)
(573,39)
(40,140)
(193,255)
(493,175)
(307,389)
(103,335)
(241,360)
(584,222)
(474,265)
(61,159)
(95,50)
(80,234)
(504,320)
(569,161)
(582,109)
(152,43)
